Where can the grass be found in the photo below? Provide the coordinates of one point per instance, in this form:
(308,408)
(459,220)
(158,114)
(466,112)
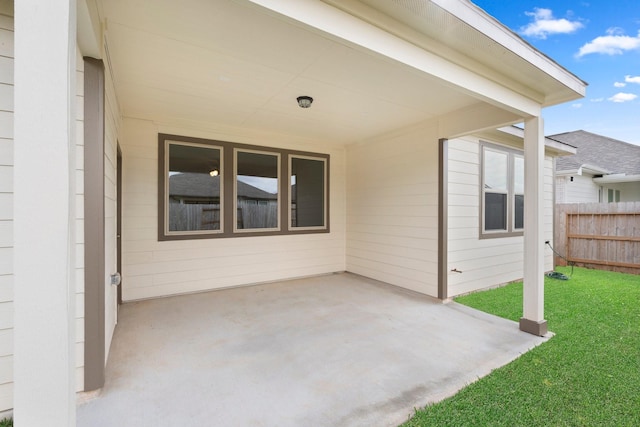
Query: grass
(587,375)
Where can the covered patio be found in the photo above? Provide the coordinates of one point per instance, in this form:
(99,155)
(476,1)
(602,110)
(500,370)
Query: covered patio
(330,350)
(392,84)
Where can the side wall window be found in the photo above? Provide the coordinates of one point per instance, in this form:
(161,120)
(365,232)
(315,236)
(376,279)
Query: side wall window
(213,189)
(502,195)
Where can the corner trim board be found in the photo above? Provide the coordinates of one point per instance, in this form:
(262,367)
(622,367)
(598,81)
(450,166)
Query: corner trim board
(94,225)
(443,214)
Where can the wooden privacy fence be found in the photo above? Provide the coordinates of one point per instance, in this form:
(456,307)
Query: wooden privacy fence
(605,236)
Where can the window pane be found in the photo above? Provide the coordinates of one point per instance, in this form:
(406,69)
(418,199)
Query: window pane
(495,211)
(518,175)
(519,211)
(495,170)
(307,192)
(256,190)
(194,188)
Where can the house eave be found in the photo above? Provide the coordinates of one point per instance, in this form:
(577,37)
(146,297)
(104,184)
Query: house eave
(498,32)
(515,136)
(617,179)
(584,169)
(533,74)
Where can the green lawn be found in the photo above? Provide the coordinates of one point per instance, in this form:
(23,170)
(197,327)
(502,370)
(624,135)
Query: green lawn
(587,375)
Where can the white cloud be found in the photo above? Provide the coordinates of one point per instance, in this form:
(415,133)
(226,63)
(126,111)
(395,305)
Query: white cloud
(619,84)
(597,99)
(614,43)
(576,105)
(632,79)
(623,97)
(545,24)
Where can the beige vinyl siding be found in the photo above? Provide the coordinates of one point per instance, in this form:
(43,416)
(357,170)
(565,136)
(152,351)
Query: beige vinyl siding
(581,190)
(152,268)
(79,221)
(6,212)
(392,209)
(483,262)
(112,126)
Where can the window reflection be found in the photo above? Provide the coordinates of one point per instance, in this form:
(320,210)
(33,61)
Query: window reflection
(256,186)
(193,190)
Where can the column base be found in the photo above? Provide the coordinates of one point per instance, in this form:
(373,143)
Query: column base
(533,327)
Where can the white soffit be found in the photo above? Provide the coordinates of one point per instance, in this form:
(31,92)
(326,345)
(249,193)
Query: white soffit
(482,43)
(233,63)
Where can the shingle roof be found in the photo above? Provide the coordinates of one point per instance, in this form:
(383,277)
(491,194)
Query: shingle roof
(203,185)
(597,150)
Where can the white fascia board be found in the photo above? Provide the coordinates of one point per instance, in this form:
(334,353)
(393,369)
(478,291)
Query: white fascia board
(617,178)
(594,170)
(552,147)
(569,172)
(89,29)
(494,29)
(558,148)
(343,26)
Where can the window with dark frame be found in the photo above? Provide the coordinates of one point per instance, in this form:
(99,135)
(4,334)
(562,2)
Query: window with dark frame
(502,195)
(214,189)
(193,189)
(256,190)
(307,192)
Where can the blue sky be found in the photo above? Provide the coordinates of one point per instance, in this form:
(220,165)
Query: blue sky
(599,41)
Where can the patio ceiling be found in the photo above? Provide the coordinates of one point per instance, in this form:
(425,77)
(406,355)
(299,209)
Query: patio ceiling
(234,64)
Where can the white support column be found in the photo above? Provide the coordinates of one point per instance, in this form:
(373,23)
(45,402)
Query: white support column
(532,320)
(44,211)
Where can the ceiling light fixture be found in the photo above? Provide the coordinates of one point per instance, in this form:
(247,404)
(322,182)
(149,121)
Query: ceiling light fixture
(305,101)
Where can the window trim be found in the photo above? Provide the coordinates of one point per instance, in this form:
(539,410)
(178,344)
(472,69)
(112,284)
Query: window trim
(168,232)
(510,231)
(517,156)
(324,195)
(227,189)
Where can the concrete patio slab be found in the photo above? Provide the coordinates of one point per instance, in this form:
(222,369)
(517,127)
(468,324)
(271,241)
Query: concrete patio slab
(335,350)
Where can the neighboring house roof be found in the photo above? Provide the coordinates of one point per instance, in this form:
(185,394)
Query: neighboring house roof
(599,154)
(206,186)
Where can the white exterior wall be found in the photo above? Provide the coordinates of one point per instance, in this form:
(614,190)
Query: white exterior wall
(629,191)
(152,268)
(484,262)
(581,190)
(6,211)
(6,215)
(45,297)
(392,211)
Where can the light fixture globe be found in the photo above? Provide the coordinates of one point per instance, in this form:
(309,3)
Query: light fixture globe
(304,101)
